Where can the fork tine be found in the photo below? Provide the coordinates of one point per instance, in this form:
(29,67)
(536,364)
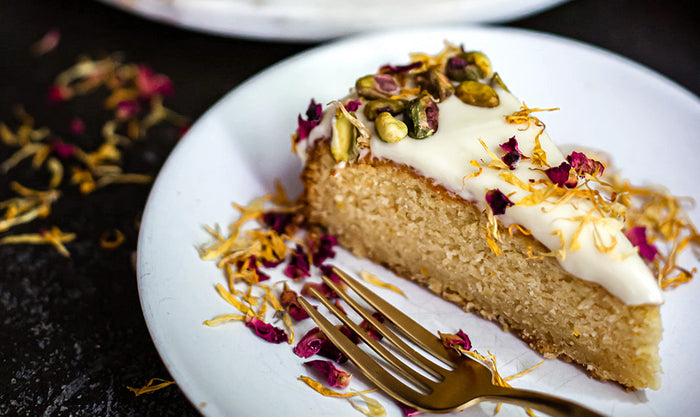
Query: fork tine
(410,329)
(406,350)
(408,372)
(368,366)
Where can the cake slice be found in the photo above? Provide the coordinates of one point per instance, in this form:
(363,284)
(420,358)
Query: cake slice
(438,172)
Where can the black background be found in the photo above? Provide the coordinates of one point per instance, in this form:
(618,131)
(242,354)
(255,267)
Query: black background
(72,335)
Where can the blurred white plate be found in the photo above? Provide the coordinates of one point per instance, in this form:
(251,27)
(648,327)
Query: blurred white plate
(240,146)
(309,20)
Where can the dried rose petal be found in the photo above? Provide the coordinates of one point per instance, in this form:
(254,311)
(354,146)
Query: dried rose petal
(585,165)
(150,84)
(77,126)
(638,237)
(314,111)
(298,266)
(47,43)
(349,333)
(352,105)
(279,222)
(58,93)
(127,108)
(400,68)
(408,411)
(290,301)
(251,264)
(511,159)
(62,149)
(498,201)
(511,145)
(336,377)
(322,249)
(460,339)
(370,329)
(562,175)
(265,330)
(310,344)
(313,116)
(323,289)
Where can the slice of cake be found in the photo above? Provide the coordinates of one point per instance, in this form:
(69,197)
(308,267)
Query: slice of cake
(438,172)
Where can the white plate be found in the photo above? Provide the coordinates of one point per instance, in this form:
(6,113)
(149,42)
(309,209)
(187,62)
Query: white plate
(309,20)
(240,146)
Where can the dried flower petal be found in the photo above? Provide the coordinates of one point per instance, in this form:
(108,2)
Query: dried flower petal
(313,116)
(47,43)
(370,329)
(391,69)
(127,108)
(498,201)
(311,343)
(322,249)
(298,266)
(352,105)
(58,93)
(336,377)
(562,175)
(456,341)
(77,126)
(61,149)
(322,288)
(150,84)
(277,221)
(150,387)
(585,165)
(513,154)
(265,330)
(289,300)
(408,411)
(638,237)
(374,407)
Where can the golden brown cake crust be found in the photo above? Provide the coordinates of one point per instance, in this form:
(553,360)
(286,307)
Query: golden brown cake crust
(395,217)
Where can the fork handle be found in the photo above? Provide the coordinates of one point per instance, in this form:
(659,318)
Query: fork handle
(553,406)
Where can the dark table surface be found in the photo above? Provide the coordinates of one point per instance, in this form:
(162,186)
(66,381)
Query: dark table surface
(72,335)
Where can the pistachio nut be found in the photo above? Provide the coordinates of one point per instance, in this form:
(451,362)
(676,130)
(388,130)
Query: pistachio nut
(497,81)
(436,84)
(389,128)
(344,139)
(421,117)
(377,86)
(477,94)
(381,105)
(481,61)
(458,69)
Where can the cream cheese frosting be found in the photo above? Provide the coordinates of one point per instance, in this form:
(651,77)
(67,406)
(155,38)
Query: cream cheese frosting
(445,158)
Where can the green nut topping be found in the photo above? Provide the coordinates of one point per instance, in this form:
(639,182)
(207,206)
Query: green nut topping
(477,94)
(458,69)
(344,139)
(377,86)
(381,105)
(497,81)
(481,61)
(389,128)
(421,117)
(436,84)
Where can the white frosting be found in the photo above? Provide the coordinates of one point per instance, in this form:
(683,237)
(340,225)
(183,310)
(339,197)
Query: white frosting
(445,157)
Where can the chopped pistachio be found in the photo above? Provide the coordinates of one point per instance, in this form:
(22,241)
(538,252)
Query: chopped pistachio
(344,139)
(421,117)
(389,128)
(436,84)
(375,107)
(477,94)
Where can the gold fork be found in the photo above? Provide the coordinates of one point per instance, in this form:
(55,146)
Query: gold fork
(467,383)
